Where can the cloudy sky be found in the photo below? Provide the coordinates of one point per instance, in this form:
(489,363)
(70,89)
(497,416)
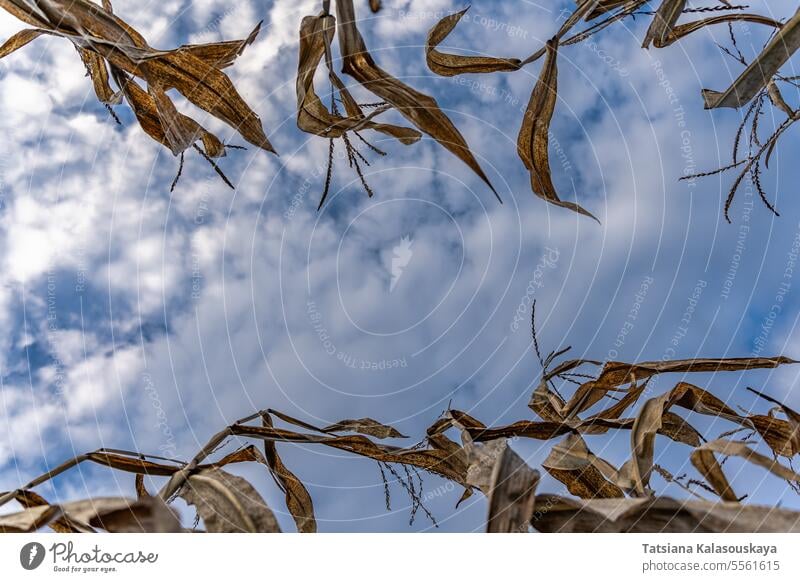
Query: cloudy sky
(136,318)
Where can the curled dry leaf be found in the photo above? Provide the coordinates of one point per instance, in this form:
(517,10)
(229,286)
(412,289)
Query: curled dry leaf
(449,65)
(512,495)
(793,424)
(420,109)
(316,33)
(584,474)
(663,23)
(228,503)
(658,515)
(298,500)
(534,135)
(502,475)
(761,70)
(704,461)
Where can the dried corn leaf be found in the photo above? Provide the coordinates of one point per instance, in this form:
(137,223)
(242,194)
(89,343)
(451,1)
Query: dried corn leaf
(145,108)
(777,433)
(658,515)
(792,415)
(494,468)
(97,70)
(584,474)
(312,115)
(30,519)
(228,503)
(145,515)
(298,500)
(534,135)
(114,514)
(617,373)
(704,461)
(512,494)
(601,7)
(193,71)
(682,30)
(375,5)
(759,72)
(663,23)
(64,524)
(440,459)
(420,109)
(19,40)
(777,100)
(449,65)
(366,426)
(221,54)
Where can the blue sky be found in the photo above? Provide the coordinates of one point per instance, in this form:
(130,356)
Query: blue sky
(135,318)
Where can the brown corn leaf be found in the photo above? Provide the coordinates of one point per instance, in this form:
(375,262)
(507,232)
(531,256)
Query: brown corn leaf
(30,519)
(777,100)
(584,474)
(648,422)
(759,72)
(663,23)
(228,503)
(312,115)
(792,442)
(63,524)
(420,109)
(138,484)
(602,6)
(19,40)
(706,463)
(512,492)
(658,515)
(440,459)
(494,468)
(777,433)
(298,500)
(682,30)
(221,54)
(534,135)
(617,373)
(114,514)
(193,71)
(375,5)
(366,426)
(151,121)
(449,65)
(145,515)
(96,69)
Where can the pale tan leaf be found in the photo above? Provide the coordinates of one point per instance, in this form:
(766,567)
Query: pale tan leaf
(228,503)
(704,461)
(759,72)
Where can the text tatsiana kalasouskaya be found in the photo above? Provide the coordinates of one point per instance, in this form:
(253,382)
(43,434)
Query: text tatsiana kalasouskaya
(701,548)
